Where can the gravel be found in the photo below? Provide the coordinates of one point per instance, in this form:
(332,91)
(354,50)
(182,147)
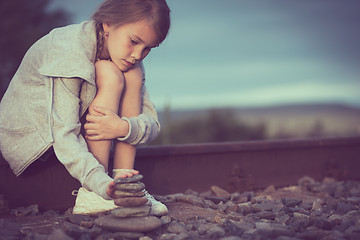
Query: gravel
(323,210)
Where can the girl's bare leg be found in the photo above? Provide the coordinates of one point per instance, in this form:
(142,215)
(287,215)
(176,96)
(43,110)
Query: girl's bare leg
(130,106)
(110,87)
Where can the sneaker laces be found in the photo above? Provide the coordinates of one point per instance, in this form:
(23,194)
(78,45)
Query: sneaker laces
(150,198)
(157,207)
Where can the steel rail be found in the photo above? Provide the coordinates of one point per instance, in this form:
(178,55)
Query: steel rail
(234,166)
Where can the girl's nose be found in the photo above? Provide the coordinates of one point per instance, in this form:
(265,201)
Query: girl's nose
(137,54)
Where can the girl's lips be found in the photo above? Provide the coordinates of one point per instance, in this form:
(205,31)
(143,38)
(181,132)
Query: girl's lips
(129,64)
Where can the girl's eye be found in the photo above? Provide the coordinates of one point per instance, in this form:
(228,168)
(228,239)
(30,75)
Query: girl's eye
(133,41)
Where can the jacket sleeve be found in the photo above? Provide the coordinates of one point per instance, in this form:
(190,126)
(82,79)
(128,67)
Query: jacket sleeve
(69,145)
(146,126)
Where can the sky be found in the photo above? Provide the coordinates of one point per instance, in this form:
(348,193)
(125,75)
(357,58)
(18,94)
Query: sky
(249,53)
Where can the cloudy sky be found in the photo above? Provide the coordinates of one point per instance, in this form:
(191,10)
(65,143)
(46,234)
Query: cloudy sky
(252,52)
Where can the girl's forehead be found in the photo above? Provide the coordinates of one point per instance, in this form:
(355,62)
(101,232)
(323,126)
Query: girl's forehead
(144,30)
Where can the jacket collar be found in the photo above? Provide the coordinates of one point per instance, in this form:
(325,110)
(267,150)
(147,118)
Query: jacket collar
(71,52)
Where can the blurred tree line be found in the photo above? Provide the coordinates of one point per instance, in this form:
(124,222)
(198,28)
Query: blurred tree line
(22,22)
(218,125)
(225,125)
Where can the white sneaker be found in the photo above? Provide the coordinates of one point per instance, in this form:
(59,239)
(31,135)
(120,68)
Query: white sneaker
(157,208)
(88,202)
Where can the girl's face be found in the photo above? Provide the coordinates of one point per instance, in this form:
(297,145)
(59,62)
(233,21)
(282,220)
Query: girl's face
(128,44)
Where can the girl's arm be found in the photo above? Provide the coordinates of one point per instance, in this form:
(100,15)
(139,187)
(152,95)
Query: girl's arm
(144,127)
(69,145)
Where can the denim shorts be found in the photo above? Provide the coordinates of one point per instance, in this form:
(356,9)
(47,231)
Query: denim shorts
(47,155)
(40,164)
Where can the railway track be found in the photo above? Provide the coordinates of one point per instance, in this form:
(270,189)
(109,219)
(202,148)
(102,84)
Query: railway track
(234,166)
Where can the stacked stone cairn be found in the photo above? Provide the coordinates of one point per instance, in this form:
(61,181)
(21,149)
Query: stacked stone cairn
(132,213)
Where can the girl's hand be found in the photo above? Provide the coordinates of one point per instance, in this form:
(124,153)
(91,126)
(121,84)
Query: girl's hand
(106,125)
(110,190)
(120,173)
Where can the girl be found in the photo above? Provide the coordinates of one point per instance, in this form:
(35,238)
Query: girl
(87,75)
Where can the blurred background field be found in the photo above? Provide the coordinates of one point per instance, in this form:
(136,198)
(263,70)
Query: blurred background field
(258,123)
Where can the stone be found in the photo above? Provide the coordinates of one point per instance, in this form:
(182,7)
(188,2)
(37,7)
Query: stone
(231,207)
(117,235)
(344,207)
(306,181)
(215,232)
(9,230)
(58,234)
(335,219)
(82,220)
(235,197)
(287,238)
(130,201)
(130,187)
(317,205)
(270,189)
(266,205)
(291,202)
(353,200)
(282,218)
(145,238)
(323,222)
(353,232)
(183,236)
(191,192)
(127,235)
(237,228)
(230,238)
(210,204)
(245,208)
(175,227)
(202,229)
(74,230)
(265,215)
(120,194)
(311,233)
(272,230)
(306,205)
(132,224)
(234,216)
(219,192)
(131,212)
(165,219)
(191,199)
(216,199)
(299,221)
(134,178)
(31,210)
(168,236)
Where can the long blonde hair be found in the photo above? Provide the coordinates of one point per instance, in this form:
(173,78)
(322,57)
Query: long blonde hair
(119,12)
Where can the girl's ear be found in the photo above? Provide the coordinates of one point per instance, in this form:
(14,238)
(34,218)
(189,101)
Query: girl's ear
(106,27)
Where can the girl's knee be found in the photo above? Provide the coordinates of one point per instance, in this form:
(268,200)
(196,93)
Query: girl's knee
(108,75)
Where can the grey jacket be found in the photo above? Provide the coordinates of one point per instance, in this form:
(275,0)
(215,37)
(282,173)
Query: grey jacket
(42,107)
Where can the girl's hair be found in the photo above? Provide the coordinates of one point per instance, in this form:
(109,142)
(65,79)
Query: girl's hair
(119,12)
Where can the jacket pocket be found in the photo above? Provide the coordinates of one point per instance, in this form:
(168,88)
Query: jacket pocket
(20,146)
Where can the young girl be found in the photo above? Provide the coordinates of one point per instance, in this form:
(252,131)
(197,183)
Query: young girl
(87,75)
